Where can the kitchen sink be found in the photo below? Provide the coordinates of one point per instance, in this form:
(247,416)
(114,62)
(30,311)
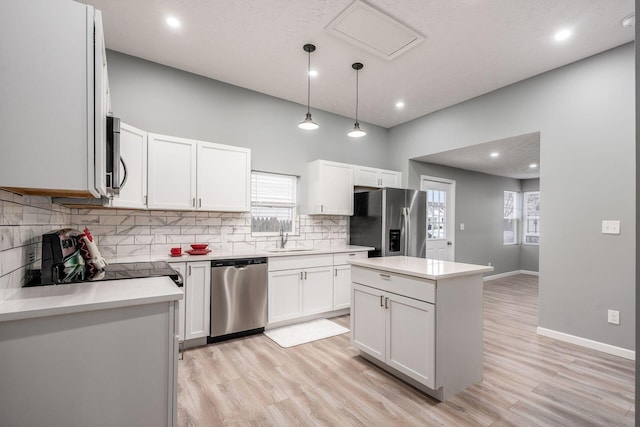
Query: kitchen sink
(281,250)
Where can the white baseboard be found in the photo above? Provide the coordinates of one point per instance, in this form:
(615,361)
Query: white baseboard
(585,342)
(509,273)
(529,272)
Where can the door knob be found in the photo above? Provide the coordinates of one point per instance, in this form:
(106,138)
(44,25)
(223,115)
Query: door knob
(449,243)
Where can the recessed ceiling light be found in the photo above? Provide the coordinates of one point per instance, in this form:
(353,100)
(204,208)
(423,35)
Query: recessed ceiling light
(533,165)
(313,73)
(562,35)
(400,104)
(173,22)
(494,154)
(629,21)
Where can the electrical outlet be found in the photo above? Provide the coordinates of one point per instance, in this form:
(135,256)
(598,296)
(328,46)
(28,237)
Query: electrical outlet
(461,226)
(613,316)
(610,227)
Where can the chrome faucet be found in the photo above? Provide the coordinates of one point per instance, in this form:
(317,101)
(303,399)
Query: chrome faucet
(283,238)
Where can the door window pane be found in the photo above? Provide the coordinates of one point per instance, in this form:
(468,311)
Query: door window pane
(436,214)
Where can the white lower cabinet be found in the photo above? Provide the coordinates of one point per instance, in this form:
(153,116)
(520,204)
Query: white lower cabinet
(181,267)
(396,330)
(297,293)
(341,286)
(317,290)
(284,295)
(197,299)
(342,278)
(300,286)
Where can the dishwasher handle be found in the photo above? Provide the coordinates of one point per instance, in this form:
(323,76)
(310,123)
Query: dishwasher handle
(237,262)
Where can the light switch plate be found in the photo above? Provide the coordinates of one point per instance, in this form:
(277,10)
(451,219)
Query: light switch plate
(461,226)
(610,227)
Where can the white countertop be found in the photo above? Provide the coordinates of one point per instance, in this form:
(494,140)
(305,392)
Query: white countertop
(268,253)
(420,267)
(40,301)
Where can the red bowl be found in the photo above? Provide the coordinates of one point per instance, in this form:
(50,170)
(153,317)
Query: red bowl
(199,246)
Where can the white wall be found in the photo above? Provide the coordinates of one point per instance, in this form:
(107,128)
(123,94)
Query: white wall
(585,115)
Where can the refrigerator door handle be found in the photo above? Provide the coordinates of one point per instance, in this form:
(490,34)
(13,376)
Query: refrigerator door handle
(406,225)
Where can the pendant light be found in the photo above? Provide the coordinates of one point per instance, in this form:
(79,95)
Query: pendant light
(356,132)
(308,123)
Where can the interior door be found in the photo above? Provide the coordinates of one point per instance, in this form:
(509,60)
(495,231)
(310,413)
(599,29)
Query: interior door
(440,205)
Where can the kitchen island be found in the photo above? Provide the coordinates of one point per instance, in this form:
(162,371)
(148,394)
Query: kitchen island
(100,354)
(420,319)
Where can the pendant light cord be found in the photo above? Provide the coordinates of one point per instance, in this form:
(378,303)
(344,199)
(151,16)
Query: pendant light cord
(308,82)
(357,92)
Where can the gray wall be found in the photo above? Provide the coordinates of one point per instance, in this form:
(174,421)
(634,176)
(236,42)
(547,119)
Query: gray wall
(168,101)
(529,254)
(479,204)
(585,115)
(637,158)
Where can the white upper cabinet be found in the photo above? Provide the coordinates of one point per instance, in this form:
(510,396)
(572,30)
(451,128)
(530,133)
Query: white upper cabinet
(372,177)
(185,174)
(133,150)
(330,188)
(50,94)
(224,178)
(172,173)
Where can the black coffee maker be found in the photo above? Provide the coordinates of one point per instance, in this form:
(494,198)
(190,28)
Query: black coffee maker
(62,260)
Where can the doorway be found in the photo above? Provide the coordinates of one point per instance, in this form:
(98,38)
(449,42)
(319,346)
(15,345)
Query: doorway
(441,196)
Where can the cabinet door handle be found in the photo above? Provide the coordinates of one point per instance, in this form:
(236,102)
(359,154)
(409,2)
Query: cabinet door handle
(199,203)
(189,270)
(193,202)
(336,270)
(385,276)
(305,275)
(301,277)
(146,200)
(352,254)
(381,299)
(321,208)
(386,303)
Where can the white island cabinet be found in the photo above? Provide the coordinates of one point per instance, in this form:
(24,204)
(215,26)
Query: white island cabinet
(420,319)
(90,354)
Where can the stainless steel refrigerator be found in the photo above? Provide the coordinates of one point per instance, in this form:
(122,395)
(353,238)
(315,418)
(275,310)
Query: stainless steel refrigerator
(393,220)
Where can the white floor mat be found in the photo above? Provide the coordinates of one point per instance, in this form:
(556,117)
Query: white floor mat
(289,336)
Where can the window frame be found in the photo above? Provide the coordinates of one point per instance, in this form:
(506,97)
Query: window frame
(292,205)
(525,220)
(515,216)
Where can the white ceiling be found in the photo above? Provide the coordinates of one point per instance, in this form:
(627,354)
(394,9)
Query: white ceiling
(471,47)
(515,155)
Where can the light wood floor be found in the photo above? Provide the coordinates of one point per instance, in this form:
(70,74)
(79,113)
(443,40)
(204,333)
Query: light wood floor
(529,380)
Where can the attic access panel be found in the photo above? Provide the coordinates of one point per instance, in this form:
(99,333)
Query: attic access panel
(372,30)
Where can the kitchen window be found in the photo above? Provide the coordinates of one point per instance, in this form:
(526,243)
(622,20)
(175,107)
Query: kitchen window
(273,203)
(531,205)
(511,218)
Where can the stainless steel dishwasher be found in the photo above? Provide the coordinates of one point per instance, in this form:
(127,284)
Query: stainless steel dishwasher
(238,297)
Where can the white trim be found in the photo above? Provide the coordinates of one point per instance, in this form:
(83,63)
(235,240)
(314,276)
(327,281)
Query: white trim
(510,273)
(585,342)
(530,273)
(451,237)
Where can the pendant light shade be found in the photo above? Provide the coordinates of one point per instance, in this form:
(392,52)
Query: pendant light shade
(356,132)
(308,123)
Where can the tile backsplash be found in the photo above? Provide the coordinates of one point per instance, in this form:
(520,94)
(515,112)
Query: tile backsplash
(133,232)
(23,220)
(118,232)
